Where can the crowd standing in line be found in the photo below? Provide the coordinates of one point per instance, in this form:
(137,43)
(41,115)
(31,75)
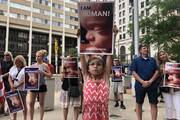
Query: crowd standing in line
(145,71)
(171,95)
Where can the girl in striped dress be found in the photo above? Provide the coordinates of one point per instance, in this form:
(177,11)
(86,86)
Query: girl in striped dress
(96,75)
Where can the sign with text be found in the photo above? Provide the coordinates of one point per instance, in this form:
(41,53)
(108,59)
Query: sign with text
(172,75)
(96,27)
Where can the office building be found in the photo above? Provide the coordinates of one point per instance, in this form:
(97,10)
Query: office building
(30,25)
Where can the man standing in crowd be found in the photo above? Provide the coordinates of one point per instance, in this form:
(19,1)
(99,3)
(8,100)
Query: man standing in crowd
(118,87)
(145,71)
(6,64)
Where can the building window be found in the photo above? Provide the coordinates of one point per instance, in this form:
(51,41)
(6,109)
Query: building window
(119,7)
(119,14)
(120,37)
(123,5)
(143,31)
(123,20)
(142,4)
(130,10)
(147,2)
(124,36)
(124,28)
(120,29)
(130,18)
(120,22)
(147,12)
(142,13)
(123,53)
(123,12)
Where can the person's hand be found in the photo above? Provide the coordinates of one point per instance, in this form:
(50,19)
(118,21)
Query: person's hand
(146,84)
(40,71)
(13,87)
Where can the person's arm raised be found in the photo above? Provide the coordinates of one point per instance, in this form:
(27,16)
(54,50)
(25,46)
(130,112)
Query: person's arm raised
(83,65)
(108,66)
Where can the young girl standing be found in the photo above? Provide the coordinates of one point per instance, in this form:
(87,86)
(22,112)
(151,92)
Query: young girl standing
(96,74)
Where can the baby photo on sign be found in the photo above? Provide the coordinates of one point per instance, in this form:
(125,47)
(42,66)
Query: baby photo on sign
(14,101)
(71,67)
(172,76)
(96,24)
(117,73)
(31,78)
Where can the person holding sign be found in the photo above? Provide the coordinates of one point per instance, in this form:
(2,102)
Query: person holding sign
(96,74)
(171,95)
(16,80)
(96,23)
(44,72)
(118,72)
(69,80)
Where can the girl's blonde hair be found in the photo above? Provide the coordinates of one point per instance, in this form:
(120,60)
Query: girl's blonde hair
(20,58)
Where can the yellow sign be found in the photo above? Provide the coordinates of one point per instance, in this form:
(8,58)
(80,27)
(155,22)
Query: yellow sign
(56,46)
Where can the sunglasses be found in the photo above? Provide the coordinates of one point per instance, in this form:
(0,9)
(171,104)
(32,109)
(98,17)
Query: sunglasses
(7,55)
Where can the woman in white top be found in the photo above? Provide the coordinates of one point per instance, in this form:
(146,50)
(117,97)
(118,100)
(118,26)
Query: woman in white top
(16,80)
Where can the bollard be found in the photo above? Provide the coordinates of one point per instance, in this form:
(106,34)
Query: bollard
(49,99)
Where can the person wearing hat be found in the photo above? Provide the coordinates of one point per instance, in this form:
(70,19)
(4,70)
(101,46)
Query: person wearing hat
(145,71)
(118,84)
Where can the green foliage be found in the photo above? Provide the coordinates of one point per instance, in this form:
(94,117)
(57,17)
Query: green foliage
(163,26)
(72,52)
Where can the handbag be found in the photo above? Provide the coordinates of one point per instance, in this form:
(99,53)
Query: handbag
(73,91)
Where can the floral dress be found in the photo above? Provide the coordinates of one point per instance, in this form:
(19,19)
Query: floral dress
(96,98)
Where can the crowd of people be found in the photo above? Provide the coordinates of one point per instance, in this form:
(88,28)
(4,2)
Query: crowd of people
(13,78)
(93,77)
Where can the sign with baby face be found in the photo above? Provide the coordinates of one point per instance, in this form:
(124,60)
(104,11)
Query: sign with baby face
(32,76)
(172,75)
(71,67)
(96,27)
(14,101)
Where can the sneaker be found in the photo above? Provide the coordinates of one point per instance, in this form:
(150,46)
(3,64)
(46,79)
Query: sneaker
(122,106)
(116,105)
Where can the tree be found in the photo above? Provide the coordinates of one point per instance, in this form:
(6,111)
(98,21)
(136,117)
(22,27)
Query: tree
(163,26)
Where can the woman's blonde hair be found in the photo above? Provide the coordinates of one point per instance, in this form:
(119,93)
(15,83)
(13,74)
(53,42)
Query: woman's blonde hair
(158,57)
(42,52)
(20,58)
(9,53)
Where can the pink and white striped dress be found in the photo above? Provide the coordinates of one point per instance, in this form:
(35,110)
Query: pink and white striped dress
(96,98)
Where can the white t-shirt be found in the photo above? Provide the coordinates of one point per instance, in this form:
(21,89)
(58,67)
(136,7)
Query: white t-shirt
(21,76)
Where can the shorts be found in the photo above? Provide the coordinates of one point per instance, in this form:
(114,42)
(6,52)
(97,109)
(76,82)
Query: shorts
(42,88)
(152,92)
(23,93)
(118,87)
(66,101)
